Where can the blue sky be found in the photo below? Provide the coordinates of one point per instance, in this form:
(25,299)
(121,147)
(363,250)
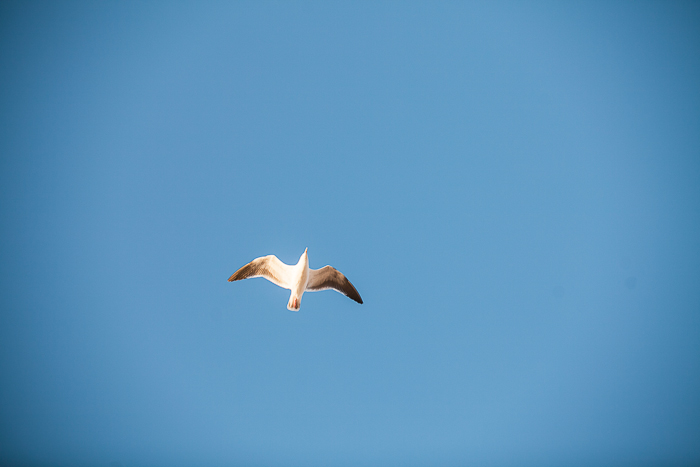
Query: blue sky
(513,188)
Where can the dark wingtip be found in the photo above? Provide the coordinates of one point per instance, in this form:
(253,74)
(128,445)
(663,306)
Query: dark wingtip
(353,293)
(356,295)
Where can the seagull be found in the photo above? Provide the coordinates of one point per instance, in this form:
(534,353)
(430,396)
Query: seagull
(298,278)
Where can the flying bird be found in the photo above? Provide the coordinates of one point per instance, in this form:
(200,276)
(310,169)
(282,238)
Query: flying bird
(298,278)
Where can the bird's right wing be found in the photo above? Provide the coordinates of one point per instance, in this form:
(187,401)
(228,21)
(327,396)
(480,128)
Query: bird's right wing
(329,277)
(269,267)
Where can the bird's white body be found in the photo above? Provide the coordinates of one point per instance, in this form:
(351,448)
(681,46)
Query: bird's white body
(298,278)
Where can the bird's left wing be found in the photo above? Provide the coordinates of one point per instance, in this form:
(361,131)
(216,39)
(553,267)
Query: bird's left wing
(269,267)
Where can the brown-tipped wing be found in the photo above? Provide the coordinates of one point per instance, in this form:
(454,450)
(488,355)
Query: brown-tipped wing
(269,267)
(330,278)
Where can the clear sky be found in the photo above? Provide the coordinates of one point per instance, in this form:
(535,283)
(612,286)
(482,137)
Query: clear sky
(513,188)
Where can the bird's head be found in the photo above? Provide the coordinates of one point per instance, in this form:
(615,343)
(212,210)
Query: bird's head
(304,257)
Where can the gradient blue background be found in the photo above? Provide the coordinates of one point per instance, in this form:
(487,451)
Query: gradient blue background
(514,189)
